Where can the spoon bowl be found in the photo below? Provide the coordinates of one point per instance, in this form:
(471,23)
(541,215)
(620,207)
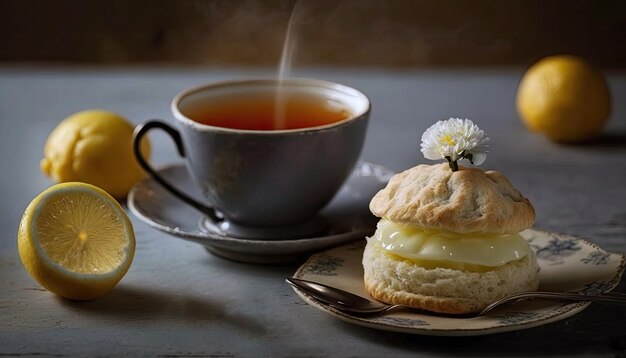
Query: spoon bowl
(340,299)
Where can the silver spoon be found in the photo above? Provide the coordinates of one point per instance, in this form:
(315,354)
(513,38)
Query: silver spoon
(349,302)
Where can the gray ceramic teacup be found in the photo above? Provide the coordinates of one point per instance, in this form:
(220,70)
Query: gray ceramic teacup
(261,183)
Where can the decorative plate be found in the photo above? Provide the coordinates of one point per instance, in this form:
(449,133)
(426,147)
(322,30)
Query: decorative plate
(567,263)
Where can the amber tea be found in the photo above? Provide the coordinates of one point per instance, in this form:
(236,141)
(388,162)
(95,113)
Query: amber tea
(264,111)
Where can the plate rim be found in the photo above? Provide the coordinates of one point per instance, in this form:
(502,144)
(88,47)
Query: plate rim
(564,311)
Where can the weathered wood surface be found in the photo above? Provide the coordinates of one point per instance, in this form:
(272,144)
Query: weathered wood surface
(179,301)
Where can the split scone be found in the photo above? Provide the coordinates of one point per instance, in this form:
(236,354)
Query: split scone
(448,241)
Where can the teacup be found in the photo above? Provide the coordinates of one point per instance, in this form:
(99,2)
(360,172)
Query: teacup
(261,181)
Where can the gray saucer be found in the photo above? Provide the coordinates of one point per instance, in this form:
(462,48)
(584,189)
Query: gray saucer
(347,215)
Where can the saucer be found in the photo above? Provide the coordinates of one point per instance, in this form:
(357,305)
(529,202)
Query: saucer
(566,263)
(347,215)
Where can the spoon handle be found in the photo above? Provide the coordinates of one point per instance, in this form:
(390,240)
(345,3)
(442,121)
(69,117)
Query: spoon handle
(609,297)
(570,296)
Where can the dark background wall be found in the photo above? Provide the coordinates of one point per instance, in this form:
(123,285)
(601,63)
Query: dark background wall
(368,33)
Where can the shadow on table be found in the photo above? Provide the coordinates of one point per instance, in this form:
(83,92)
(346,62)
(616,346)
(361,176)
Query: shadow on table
(597,330)
(614,140)
(139,304)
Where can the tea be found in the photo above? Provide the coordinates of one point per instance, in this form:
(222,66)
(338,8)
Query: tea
(263,111)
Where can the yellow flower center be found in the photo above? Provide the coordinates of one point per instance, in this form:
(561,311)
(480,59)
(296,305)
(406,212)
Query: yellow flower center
(447,139)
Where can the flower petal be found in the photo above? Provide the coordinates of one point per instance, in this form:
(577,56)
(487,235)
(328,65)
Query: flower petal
(478,157)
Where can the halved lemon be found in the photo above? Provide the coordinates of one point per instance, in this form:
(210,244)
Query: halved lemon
(76,241)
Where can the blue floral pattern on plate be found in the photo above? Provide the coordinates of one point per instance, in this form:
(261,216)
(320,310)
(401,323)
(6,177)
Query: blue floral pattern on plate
(324,265)
(566,263)
(597,258)
(557,248)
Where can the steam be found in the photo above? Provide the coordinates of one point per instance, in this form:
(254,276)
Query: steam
(284,71)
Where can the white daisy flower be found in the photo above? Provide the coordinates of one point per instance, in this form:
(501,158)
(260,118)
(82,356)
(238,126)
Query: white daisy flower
(455,139)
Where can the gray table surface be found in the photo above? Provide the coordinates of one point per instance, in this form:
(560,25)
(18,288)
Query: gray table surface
(179,301)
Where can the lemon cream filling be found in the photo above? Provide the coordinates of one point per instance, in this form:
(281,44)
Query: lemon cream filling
(431,249)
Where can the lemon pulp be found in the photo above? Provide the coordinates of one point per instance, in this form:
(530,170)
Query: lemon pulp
(81,233)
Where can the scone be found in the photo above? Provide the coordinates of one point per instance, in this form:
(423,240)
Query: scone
(448,241)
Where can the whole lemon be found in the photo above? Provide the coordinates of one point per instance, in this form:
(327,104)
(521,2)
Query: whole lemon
(564,98)
(95,147)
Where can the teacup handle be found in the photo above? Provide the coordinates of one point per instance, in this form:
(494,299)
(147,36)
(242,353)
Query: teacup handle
(140,131)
